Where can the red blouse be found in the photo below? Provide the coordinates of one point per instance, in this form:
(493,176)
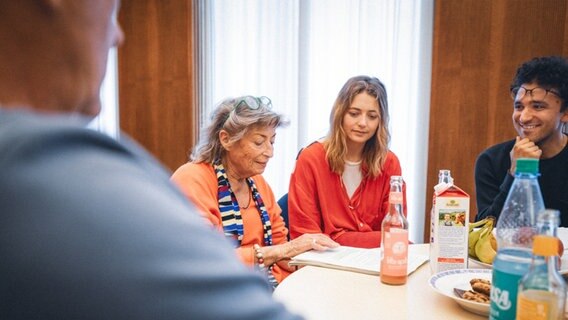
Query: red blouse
(318,201)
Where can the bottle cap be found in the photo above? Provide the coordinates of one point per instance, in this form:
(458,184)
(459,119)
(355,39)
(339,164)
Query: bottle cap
(545,245)
(397,179)
(527,165)
(546,220)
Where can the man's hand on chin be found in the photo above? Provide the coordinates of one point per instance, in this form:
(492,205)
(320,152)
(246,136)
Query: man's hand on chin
(523,148)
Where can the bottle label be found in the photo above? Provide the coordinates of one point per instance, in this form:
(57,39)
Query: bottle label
(535,309)
(395,197)
(504,295)
(395,252)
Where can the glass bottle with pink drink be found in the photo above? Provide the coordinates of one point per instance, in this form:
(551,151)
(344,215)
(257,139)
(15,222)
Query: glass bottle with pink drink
(394,237)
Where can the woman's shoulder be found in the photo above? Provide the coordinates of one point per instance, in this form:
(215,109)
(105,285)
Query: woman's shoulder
(195,168)
(392,159)
(194,171)
(314,150)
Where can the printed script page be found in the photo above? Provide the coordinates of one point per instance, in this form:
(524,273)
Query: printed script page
(354,259)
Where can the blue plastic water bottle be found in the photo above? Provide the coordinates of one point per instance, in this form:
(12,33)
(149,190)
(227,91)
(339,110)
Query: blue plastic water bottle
(516,227)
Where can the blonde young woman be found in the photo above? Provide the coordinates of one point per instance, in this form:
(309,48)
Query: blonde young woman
(224,180)
(340,185)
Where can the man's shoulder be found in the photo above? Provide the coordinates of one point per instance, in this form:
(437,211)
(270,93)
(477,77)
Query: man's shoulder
(31,141)
(22,124)
(18,128)
(27,135)
(494,160)
(500,148)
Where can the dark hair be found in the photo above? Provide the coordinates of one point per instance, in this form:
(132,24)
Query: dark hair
(548,72)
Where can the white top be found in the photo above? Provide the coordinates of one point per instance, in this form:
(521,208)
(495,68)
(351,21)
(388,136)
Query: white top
(352,177)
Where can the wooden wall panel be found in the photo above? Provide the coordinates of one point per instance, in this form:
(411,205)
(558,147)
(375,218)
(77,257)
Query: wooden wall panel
(156,77)
(478,45)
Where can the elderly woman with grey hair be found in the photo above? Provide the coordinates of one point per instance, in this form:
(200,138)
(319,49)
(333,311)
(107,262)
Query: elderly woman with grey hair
(223,179)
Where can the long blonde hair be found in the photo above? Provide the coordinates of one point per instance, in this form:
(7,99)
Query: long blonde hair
(236,121)
(375,149)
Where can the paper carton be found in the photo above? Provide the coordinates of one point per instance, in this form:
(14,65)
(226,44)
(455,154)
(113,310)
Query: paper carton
(449,228)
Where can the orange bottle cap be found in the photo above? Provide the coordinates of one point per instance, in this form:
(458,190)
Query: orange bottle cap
(545,246)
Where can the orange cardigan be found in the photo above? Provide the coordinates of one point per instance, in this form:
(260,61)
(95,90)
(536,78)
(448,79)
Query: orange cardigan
(199,183)
(318,202)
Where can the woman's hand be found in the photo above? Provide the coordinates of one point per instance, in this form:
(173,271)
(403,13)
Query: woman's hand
(307,242)
(288,250)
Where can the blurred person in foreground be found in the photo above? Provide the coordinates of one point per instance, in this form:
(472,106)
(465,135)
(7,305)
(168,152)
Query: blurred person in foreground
(540,113)
(341,184)
(224,180)
(91,228)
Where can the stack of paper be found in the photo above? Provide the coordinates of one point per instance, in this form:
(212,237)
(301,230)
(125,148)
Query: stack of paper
(353,259)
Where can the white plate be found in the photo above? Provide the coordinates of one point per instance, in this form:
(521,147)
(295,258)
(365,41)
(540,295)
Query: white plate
(444,283)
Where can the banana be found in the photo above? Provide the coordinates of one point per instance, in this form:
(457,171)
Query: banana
(473,235)
(493,241)
(473,238)
(483,249)
(479,223)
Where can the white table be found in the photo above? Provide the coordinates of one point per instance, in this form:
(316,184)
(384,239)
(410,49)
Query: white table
(321,293)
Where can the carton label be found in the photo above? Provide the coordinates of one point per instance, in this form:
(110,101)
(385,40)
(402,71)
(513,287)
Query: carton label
(449,229)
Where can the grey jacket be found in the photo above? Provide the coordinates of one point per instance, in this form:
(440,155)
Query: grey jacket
(92,229)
